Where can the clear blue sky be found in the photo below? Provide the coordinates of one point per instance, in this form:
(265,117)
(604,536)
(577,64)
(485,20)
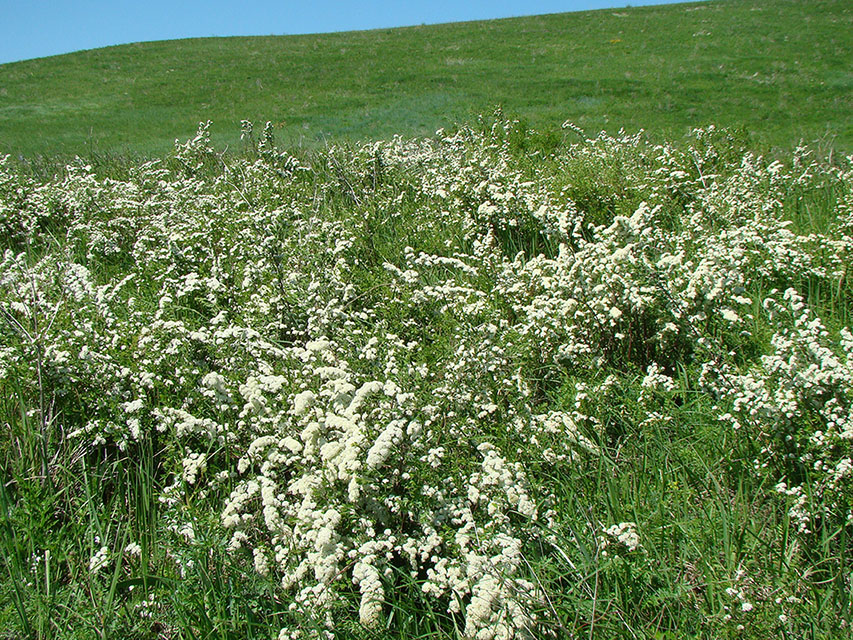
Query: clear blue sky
(37,28)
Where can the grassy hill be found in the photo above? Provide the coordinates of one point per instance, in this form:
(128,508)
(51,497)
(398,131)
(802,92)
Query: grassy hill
(781,69)
(469,386)
(441,389)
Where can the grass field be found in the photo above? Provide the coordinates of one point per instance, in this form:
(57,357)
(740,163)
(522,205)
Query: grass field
(497,383)
(781,69)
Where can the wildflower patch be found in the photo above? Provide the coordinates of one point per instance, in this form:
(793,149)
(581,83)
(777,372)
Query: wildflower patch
(421,372)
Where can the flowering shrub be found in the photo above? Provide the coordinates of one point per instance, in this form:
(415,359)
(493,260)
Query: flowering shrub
(798,402)
(371,366)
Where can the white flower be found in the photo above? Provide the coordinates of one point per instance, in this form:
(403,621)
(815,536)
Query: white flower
(100,560)
(730,316)
(390,437)
(372,594)
(624,533)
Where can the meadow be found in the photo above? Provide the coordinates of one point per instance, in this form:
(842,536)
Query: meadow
(491,384)
(779,69)
(366,358)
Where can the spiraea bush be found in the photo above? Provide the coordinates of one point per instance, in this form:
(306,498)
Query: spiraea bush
(487,385)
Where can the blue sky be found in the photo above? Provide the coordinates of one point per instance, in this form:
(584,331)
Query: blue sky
(37,28)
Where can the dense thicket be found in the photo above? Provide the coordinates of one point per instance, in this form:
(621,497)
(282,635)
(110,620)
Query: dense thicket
(491,384)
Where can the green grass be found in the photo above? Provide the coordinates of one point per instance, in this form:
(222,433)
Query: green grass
(780,68)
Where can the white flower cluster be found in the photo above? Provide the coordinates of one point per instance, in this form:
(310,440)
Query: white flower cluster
(100,560)
(622,536)
(806,379)
(336,495)
(360,397)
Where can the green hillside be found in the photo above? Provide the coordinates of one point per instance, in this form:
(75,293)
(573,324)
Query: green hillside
(782,69)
